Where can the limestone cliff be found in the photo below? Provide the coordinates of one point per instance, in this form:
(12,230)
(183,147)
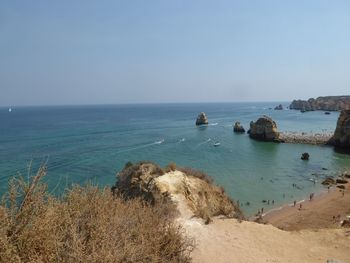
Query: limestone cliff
(264,129)
(192,189)
(328,103)
(341,136)
(202,119)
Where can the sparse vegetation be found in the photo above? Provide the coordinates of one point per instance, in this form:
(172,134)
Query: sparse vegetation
(86,224)
(196,173)
(170,167)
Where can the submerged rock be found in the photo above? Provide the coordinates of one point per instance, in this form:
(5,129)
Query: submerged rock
(238,127)
(202,119)
(305,156)
(328,181)
(341,136)
(264,129)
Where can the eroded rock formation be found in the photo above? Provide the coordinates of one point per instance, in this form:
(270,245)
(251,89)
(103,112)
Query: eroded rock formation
(238,127)
(341,136)
(202,119)
(190,190)
(264,129)
(329,103)
(279,107)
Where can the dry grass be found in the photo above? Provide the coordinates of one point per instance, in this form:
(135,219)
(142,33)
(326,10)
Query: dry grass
(170,167)
(196,173)
(86,224)
(207,199)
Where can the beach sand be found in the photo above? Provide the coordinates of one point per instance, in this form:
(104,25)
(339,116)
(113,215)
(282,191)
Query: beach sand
(315,214)
(229,240)
(315,236)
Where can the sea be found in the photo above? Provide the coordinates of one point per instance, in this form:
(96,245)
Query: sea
(90,144)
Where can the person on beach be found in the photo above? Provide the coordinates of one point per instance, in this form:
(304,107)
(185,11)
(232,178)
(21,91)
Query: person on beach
(295,203)
(300,206)
(311,196)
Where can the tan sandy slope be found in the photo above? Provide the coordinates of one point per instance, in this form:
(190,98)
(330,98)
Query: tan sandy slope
(227,240)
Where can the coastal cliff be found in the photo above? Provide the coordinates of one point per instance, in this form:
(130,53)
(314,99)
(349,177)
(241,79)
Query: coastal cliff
(341,136)
(328,103)
(192,188)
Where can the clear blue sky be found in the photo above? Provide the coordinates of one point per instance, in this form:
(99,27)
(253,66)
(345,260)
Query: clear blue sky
(96,52)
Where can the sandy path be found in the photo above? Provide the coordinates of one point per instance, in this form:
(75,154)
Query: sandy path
(227,240)
(231,241)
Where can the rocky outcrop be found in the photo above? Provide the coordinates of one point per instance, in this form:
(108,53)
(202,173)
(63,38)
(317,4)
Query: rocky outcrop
(305,156)
(137,181)
(341,136)
(279,107)
(329,103)
(264,129)
(202,119)
(238,128)
(341,181)
(192,192)
(328,181)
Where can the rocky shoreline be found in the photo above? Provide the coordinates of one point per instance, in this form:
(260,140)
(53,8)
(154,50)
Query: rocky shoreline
(306,138)
(328,103)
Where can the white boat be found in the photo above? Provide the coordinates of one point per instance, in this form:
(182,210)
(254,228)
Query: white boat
(216,144)
(10,109)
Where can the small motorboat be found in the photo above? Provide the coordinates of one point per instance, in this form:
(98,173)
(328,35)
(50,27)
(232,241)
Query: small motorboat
(216,144)
(10,110)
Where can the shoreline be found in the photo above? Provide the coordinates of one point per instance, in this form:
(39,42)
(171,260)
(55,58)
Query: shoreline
(327,209)
(306,138)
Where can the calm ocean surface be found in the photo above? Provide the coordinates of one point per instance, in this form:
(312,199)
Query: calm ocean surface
(91,143)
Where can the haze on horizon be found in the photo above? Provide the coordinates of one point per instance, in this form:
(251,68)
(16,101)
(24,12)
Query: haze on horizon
(107,52)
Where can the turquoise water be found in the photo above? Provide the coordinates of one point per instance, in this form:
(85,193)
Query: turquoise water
(91,143)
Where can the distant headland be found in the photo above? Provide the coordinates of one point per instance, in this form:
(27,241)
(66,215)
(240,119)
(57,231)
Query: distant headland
(328,103)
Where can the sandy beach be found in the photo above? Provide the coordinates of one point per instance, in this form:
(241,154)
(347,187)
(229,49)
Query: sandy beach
(318,238)
(289,235)
(326,210)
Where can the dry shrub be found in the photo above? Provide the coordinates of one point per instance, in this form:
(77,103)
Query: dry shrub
(196,173)
(170,167)
(207,199)
(86,224)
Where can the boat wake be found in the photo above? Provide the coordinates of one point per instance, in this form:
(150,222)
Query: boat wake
(204,142)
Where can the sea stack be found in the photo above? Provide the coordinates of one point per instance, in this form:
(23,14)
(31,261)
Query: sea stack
(264,129)
(238,128)
(202,119)
(279,107)
(341,136)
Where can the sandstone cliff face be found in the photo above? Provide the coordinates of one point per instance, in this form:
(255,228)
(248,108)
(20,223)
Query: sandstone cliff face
(202,119)
(341,136)
(201,198)
(329,103)
(264,129)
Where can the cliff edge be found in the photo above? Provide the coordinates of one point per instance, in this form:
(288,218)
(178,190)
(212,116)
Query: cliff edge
(328,103)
